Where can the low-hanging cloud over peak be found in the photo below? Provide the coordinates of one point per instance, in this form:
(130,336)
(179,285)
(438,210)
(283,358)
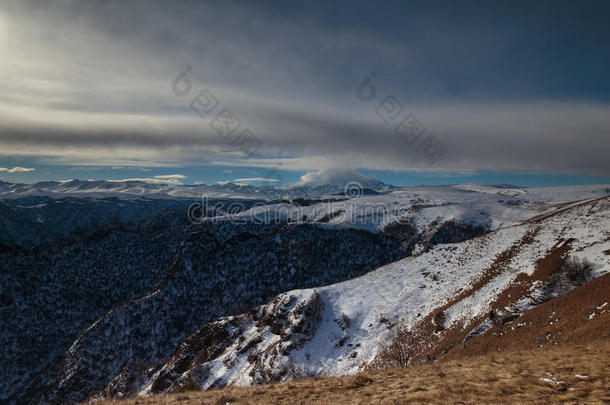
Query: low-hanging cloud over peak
(336,176)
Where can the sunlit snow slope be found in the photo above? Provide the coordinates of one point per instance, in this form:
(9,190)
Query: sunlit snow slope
(339,329)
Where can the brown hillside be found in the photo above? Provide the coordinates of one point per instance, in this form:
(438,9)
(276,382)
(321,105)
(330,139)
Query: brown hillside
(580,316)
(559,374)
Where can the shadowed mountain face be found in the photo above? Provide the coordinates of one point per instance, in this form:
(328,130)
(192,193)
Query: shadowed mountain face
(217,271)
(28,222)
(52,293)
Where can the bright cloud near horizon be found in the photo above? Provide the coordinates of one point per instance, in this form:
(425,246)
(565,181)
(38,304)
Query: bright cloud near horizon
(505,87)
(16,169)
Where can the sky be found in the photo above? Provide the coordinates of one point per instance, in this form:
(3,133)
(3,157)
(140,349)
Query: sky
(427,92)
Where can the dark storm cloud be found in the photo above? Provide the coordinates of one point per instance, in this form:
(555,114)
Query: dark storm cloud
(508,85)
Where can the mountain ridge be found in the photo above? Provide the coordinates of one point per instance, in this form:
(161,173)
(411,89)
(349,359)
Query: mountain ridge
(324,329)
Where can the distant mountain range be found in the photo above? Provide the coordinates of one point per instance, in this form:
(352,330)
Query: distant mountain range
(131,189)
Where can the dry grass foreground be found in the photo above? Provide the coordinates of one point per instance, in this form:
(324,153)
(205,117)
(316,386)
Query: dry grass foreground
(560,374)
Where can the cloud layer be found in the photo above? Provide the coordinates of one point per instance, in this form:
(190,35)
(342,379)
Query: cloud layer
(90,83)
